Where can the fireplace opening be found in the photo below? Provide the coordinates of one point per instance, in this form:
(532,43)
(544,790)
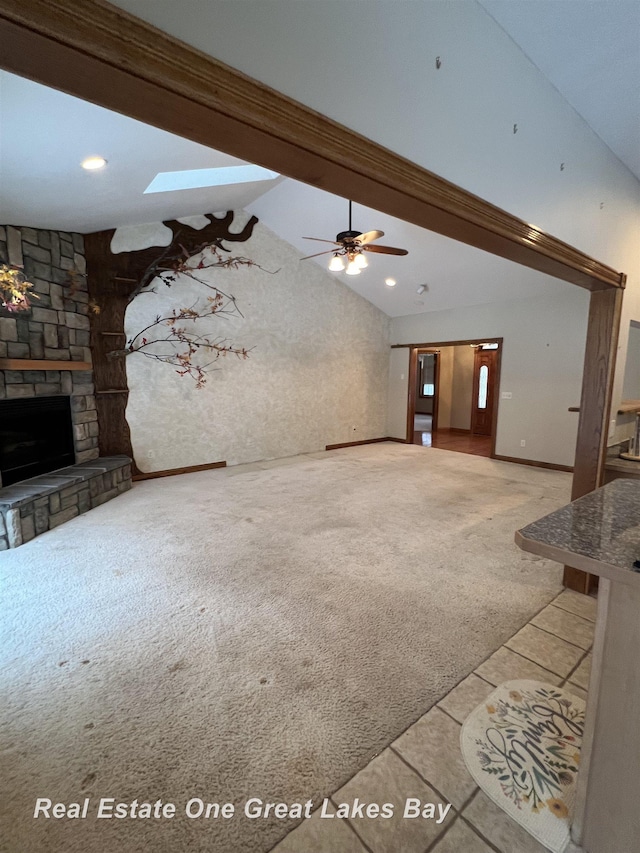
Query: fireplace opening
(36,436)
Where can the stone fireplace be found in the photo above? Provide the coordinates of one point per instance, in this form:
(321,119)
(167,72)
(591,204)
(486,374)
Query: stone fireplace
(46,365)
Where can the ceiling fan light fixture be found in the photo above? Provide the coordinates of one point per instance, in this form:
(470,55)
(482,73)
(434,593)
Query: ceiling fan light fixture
(336,264)
(352,246)
(360,261)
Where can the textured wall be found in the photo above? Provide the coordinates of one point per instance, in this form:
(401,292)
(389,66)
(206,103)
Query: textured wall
(318,367)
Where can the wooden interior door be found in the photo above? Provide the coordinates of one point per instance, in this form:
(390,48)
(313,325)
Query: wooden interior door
(484,390)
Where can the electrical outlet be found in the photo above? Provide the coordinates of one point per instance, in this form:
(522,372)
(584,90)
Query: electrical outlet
(506,395)
(523,443)
(151,454)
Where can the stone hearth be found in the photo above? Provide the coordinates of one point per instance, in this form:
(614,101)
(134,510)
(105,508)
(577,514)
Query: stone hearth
(34,506)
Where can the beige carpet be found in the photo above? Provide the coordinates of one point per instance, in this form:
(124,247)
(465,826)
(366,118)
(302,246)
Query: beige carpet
(257,632)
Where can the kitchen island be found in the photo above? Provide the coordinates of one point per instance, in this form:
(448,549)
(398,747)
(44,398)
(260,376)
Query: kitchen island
(600,534)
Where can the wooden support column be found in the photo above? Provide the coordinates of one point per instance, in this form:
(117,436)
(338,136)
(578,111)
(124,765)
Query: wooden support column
(595,405)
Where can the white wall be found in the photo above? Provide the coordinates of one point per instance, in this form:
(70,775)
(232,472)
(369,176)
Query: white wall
(445,387)
(397,393)
(631,386)
(457,122)
(318,367)
(542,358)
(462,387)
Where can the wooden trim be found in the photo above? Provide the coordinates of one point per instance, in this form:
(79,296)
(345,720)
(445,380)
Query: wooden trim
(430,346)
(629,407)
(496,401)
(551,465)
(595,401)
(605,308)
(358,443)
(436,402)
(391,438)
(170,472)
(411,395)
(42,364)
(98,52)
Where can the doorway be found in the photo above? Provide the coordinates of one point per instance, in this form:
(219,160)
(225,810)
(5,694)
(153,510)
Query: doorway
(484,389)
(426,405)
(453,396)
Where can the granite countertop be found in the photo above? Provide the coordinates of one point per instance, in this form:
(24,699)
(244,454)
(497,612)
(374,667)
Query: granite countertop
(598,533)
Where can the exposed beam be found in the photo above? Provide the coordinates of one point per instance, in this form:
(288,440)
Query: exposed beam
(98,52)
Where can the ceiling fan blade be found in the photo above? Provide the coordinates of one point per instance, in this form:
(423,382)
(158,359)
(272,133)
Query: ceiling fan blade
(385,250)
(320,240)
(368,236)
(329,252)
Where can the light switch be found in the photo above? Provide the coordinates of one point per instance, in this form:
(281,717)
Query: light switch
(506,395)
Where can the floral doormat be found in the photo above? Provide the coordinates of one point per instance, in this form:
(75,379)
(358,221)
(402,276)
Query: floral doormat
(522,747)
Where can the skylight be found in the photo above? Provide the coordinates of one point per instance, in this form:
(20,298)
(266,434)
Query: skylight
(192,179)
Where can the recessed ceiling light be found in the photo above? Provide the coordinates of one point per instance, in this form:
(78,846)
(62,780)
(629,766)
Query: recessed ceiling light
(390,282)
(92,163)
(193,179)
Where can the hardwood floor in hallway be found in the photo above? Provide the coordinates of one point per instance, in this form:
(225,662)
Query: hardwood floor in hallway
(447,439)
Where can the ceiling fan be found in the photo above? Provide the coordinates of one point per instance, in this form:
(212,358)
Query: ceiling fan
(352,245)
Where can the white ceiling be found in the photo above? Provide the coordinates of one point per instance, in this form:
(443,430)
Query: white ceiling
(454,274)
(586,48)
(590,51)
(43,185)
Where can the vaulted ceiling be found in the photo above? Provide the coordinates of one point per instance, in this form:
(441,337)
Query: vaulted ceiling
(43,186)
(590,51)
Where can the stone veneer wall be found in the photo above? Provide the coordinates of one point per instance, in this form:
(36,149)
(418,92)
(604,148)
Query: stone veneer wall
(55,329)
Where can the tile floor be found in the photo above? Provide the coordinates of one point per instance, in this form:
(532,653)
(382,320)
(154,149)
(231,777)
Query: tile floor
(425,761)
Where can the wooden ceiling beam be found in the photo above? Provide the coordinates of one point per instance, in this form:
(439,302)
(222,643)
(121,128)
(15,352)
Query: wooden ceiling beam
(98,52)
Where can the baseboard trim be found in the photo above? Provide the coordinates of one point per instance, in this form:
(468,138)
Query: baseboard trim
(170,472)
(533,463)
(365,441)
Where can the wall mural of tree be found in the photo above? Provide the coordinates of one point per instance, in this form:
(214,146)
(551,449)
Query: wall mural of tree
(185,337)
